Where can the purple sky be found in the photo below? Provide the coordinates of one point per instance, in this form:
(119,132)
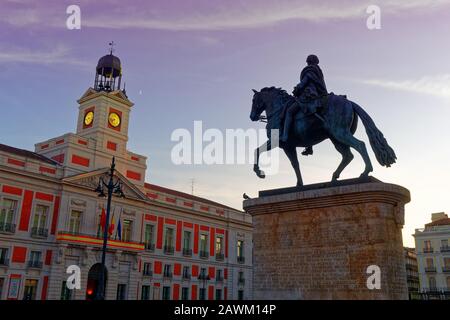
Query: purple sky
(198,60)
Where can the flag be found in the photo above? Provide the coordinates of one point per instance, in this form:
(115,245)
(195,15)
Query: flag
(103,220)
(119,230)
(112,223)
(111,226)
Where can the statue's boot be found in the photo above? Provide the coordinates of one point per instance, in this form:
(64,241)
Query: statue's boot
(287,127)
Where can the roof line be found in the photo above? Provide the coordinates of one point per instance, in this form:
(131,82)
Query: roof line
(155,187)
(26,154)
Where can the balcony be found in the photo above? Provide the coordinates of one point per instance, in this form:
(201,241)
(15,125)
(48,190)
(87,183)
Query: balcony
(7,227)
(168,250)
(186,276)
(150,247)
(187,252)
(204,254)
(219,279)
(39,232)
(241,281)
(34,264)
(430,269)
(435,290)
(446,269)
(97,241)
(241,259)
(428,250)
(220,256)
(445,249)
(147,273)
(4,262)
(167,275)
(204,277)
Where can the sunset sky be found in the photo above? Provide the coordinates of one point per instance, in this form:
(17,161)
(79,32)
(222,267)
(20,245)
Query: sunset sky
(198,60)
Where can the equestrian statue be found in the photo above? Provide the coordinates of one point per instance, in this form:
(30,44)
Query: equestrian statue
(312,115)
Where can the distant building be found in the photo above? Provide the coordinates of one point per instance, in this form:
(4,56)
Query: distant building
(412,273)
(171,245)
(433,257)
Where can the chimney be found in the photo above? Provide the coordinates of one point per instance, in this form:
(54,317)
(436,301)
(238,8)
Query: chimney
(438,216)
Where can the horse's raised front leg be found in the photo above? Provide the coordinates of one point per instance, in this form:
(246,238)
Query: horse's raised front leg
(291,153)
(347,157)
(265,147)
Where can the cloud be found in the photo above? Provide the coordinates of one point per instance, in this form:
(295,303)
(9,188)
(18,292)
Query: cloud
(251,15)
(436,85)
(210,15)
(58,55)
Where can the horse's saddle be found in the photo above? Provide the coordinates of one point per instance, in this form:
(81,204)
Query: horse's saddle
(320,104)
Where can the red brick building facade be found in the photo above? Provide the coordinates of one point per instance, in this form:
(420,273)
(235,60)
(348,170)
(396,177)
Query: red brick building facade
(172,246)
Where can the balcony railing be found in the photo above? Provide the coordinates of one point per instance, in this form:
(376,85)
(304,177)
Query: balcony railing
(435,290)
(241,281)
(34,264)
(4,262)
(428,250)
(97,240)
(204,277)
(430,269)
(187,252)
(7,227)
(186,276)
(204,254)
(167,274)
(446,269)
(241,259)
(220,256)
(150,246)
(147,273)
(39,232)
(445,249)
(219,279)
(168,250)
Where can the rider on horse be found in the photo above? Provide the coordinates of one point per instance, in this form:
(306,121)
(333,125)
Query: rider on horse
(308,94)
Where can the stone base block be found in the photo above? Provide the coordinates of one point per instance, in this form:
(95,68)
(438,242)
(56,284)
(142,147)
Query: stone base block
(318,242)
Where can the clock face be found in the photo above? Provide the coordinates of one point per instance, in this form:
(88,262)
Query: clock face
(88,118)
(114,119)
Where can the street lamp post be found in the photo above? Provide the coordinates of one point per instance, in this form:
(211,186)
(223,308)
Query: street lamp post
(203,278)
(112,188)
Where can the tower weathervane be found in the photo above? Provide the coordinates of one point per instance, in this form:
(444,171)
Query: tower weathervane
(111,49)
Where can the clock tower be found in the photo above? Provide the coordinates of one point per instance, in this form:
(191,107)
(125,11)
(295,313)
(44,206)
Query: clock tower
(102,128)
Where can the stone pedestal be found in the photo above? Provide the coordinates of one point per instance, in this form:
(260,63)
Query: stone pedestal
(316,242)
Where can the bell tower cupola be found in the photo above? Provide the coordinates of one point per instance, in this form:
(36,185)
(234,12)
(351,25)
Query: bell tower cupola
(108,75)
(102,128)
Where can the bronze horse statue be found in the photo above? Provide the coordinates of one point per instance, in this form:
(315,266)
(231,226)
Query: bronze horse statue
(337,121)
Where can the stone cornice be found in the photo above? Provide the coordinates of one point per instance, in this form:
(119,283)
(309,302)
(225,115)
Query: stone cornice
(327,197)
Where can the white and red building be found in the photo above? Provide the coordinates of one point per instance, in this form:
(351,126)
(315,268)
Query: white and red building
(173,246)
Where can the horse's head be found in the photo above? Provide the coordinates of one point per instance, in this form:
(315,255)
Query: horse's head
(258,106)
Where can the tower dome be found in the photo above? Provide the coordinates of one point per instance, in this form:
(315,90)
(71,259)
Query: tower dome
(108,73)
(109,64)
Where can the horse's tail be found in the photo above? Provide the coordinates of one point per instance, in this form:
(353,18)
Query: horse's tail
(383,152)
